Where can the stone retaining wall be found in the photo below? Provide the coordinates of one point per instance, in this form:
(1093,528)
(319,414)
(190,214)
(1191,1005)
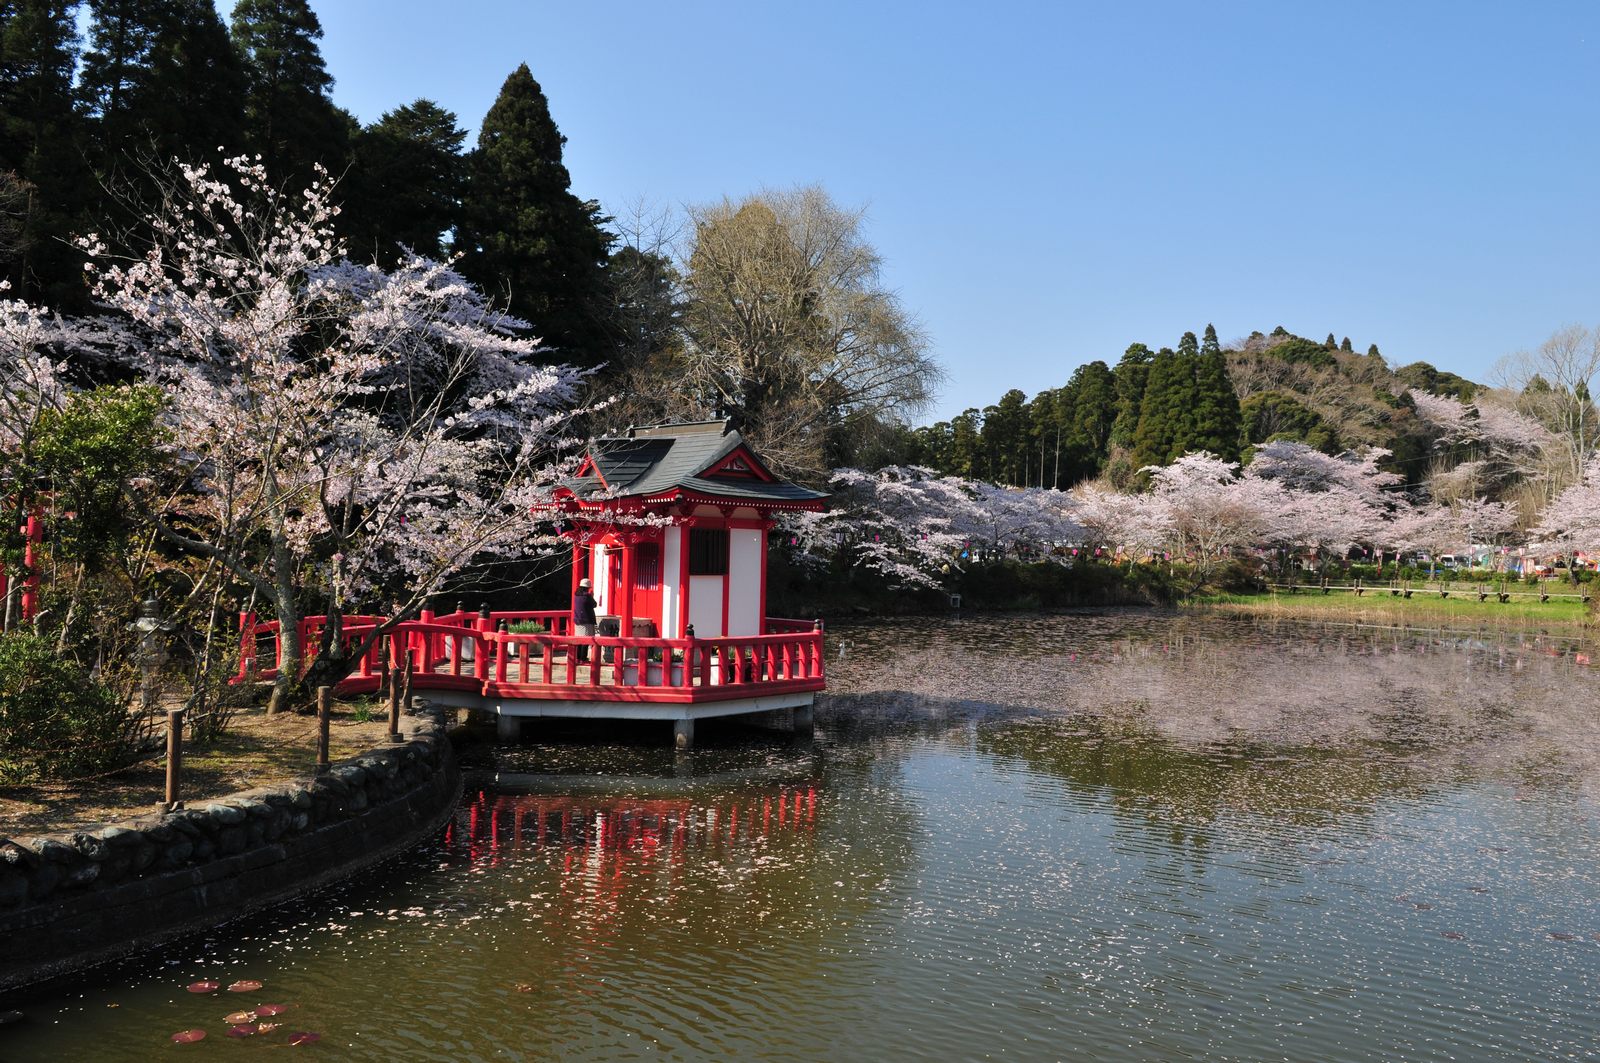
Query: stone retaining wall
(71,900)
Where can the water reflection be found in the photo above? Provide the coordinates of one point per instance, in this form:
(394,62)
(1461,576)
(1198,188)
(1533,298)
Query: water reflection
(1112,838)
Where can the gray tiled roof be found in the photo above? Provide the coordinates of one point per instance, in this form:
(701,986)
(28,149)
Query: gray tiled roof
(653,460)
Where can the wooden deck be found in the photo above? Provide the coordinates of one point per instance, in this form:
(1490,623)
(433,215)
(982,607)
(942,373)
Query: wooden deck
(472,660)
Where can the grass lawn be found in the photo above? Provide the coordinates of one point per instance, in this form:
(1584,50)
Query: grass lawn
(1462,607)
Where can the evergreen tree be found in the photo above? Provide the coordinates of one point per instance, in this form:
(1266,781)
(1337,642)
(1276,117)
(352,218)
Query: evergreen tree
(290,118)
(405,184)
(1131,374)
(525,235)
(161,81)
(1214,421)
(1088,412)
(122,37)
(44,182)
(1330,342)
(1372,351)
(1344,345)
(1005,438)
(1188,346)
(966,447)
(1168,397)
(193,101)
(1208,342)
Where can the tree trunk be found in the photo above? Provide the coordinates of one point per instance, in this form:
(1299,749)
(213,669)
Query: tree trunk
(289,648)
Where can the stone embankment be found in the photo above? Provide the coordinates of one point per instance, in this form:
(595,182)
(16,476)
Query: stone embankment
(71,900)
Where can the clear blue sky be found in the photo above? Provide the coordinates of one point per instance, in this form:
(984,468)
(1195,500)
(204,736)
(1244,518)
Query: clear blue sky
(1050,182)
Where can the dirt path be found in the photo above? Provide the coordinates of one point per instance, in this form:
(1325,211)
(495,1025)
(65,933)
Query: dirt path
(256,750)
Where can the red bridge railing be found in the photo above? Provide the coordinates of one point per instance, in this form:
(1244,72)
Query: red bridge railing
(467,652)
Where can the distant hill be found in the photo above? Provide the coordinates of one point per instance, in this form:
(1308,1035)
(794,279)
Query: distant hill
(1112,420)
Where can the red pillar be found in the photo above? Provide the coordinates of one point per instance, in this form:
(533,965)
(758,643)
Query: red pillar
(629,555)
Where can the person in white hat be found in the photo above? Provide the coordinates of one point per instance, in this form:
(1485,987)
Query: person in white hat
(583,616)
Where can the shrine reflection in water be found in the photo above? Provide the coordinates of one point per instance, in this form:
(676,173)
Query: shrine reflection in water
(1122,837)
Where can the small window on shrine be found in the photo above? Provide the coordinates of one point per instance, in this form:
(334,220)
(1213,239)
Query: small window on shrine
(708,552)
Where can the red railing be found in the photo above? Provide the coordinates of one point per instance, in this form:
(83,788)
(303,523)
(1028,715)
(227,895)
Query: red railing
(466,651)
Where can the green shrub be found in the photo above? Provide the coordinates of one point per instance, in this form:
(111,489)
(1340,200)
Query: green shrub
(55,721)
(526,627)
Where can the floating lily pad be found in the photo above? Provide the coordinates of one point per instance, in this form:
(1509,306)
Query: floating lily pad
(266,1011)
(204,987)
(188,1037)
(523,987)
(244,986)
(304,1038)
(242,1030)
(1559,935)
(240,1016)
(1452,935)
(267,1027)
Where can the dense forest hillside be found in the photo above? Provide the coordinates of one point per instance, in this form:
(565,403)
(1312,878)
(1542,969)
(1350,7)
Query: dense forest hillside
(1153,406)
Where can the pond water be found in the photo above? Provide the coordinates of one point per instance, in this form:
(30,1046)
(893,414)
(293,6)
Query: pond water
(1108,837)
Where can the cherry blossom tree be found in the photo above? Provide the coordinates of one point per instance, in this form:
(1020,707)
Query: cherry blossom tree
(1120,525)
(346,432)
(1022,521)
(1211,512)
(1500,444)
(1305,469)
(1331,502)
(908,523)
(1573,516)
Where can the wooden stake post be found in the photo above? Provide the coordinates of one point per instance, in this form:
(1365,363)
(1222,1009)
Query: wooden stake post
(324,715)
(174,756)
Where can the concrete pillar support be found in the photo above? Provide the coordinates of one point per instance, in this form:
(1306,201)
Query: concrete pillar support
(508,728)
(683,734)
(804,720)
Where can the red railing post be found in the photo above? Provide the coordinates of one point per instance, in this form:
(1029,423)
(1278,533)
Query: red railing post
(425,616)
(483,627)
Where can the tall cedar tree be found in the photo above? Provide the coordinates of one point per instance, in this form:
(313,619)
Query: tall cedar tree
(1094,410)
(45,186)
(291,121)
(193,100)
(1214,418)
(1168,398)
(405,186)
(1131,374)
(525,236)
(122,39)
(1208,341)
(1005,438)
(161,82)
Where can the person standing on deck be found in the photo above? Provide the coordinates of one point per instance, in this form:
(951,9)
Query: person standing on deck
(583,615)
